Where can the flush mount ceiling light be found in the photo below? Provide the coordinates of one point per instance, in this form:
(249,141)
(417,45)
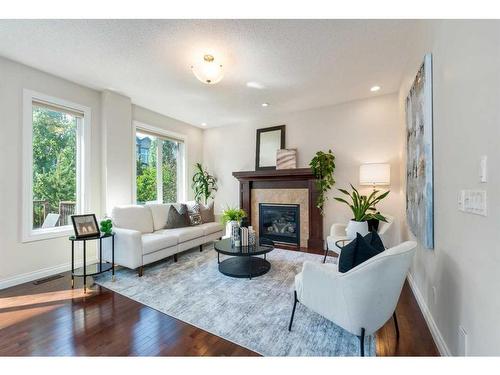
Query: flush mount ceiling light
(265,104)
(375,88)
(208,71)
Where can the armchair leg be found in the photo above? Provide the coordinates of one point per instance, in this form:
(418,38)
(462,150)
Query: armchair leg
(141,271)
(201,248)
(295,300)
(362,342)
(175,257)
(396,324)
(326,253)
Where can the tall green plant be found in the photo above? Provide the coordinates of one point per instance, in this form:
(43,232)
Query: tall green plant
(361,204)
(204,184)
(323,166)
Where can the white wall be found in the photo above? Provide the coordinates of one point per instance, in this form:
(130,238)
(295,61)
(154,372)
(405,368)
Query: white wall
(117,157)
(464,266)
(23,261)
(357,132)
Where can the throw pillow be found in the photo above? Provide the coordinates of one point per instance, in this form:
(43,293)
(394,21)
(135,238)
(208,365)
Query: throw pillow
(359,250)
(375,241)
(177,218)
(207,213)
(194,213)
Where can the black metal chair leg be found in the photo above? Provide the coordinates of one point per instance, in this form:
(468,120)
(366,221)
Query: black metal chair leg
(362,342)
(396,324)
(326,253)
(293,311)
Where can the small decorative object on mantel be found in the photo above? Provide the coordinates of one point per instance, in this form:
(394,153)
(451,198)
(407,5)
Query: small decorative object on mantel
(286,159)
(85,225)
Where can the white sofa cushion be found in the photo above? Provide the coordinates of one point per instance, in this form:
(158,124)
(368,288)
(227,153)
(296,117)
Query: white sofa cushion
(133,217)
(152,242)
(209,228)
(159,212)
(183,234)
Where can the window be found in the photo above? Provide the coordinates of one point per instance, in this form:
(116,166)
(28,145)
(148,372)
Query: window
(159,168)
(54,139)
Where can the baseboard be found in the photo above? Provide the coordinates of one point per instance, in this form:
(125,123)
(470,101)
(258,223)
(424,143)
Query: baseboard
(38,274)
(436,334)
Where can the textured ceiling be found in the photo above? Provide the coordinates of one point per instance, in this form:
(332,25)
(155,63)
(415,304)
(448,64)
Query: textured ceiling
(302,64)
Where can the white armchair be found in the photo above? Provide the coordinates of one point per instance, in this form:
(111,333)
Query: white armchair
(361,300)
(338,233)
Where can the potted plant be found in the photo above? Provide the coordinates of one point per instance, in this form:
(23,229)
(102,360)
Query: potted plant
(231,217)
(363,209)
(204,184)
(323,166)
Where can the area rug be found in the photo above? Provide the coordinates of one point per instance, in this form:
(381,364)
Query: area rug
(251,313)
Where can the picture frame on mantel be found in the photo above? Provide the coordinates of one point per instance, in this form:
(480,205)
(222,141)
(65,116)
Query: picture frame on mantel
(268,141)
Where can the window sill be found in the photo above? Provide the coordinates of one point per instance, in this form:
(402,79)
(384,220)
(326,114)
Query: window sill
(46,234)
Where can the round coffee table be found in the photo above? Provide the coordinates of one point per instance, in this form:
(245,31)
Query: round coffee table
(244,261)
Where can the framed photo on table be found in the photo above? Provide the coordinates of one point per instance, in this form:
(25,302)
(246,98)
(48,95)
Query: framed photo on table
(85,225)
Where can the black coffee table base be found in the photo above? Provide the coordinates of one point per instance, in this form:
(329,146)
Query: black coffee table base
(244,267)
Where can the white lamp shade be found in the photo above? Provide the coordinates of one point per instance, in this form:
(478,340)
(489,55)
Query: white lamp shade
(375,174)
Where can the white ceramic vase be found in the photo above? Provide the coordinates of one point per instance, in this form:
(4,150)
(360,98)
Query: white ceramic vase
(354,227)
(229,228)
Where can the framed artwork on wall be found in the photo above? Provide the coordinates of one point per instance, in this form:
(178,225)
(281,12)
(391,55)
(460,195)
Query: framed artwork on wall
(419,156)
(269,141)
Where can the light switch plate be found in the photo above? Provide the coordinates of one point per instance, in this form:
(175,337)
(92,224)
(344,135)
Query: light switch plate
(473,201)
(483,169)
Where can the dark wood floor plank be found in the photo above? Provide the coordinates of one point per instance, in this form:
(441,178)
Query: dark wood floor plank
(51,319)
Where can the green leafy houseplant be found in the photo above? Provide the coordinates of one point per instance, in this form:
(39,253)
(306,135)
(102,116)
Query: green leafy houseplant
(323,166)
(204,184)
(362,206)
(232,214)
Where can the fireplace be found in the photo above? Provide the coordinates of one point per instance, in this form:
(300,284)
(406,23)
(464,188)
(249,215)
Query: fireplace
(279,223)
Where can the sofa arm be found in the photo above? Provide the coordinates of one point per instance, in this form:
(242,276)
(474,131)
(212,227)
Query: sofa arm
(338,230)
(128,248)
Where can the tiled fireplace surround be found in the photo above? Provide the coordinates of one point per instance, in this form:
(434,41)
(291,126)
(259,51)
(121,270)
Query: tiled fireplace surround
(286,186)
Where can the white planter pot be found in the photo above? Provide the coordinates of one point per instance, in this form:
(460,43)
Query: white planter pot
(354,227)
(229,228)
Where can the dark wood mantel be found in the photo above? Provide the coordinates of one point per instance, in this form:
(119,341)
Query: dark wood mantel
(298,178)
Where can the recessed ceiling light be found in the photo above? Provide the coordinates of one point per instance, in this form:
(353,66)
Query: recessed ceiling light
(265,104)
(255,85)
(203,124)
(375,88)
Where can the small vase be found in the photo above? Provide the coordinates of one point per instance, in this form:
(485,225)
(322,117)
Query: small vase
(354,227)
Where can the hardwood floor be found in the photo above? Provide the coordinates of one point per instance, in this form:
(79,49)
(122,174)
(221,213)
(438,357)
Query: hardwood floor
(51,319)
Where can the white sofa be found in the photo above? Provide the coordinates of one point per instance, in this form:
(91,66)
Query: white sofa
(141,237)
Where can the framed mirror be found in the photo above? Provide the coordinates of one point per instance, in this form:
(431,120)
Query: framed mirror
(269,140)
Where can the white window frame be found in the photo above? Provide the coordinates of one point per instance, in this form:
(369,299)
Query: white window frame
(82,166)
(182,182)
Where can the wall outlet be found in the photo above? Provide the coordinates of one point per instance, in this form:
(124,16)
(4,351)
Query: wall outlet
(462,341)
